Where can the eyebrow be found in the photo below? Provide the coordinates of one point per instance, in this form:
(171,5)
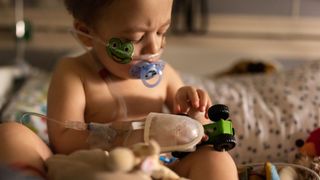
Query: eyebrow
(140,29)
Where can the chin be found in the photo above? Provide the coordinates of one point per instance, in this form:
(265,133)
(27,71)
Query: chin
(123,76)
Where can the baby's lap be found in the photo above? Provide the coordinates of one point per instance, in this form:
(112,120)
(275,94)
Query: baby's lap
(14,129)
(18,136)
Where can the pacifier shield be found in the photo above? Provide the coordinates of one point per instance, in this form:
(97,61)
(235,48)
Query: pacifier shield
(119,51)
(145,71)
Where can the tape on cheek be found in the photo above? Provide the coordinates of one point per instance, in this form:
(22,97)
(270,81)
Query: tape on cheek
(101,136)
(120,52)
(149,57)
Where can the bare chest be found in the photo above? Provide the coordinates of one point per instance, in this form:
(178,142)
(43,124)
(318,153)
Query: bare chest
(106,103)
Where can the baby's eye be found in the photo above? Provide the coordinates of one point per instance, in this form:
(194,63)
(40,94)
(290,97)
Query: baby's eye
(137,40)
(161,33)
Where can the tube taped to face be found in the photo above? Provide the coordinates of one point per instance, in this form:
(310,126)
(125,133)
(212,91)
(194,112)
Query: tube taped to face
(172,132)
(123,53)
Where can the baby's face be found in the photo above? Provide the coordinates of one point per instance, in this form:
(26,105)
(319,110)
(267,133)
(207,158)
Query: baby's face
(143,22)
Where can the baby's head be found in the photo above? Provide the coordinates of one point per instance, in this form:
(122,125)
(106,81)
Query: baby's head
(86,10)
(142,22)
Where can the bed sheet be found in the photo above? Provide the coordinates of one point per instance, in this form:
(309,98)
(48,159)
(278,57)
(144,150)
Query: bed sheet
(32,97)
(269,112)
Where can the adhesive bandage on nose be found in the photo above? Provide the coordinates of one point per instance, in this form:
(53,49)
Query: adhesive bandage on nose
(172,132)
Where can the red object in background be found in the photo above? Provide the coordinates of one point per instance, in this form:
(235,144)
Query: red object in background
(315,139)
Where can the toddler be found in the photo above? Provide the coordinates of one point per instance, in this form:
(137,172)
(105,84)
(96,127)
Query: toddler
(109,83)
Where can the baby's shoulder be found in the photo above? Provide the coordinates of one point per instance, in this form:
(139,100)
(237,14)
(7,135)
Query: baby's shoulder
(170,72)
(73,65)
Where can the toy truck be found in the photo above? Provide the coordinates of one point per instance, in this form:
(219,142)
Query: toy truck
(220,133)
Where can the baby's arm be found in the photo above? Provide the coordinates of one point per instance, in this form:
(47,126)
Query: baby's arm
(186,99)
(66,102)
(174,82)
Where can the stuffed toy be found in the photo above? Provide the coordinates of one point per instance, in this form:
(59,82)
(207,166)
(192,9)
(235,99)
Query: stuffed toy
(250,66)
(311,146)
(310,153)
(144,158)
(142,162)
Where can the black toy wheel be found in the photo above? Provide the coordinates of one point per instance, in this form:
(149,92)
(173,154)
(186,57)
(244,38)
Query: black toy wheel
(218,111)
(224,142)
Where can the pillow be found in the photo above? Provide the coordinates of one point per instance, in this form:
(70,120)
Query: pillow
(32,97)
(6,79)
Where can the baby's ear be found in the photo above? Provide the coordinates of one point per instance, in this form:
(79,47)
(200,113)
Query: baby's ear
(83,28)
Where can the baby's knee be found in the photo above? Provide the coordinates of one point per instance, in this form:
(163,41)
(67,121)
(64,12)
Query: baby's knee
(13,130)
(15,135)
(10,127)
(206,159)
(207,153)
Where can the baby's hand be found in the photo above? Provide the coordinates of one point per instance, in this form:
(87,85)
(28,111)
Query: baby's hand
(189,97)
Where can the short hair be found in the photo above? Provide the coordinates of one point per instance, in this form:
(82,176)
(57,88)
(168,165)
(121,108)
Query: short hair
(85,10)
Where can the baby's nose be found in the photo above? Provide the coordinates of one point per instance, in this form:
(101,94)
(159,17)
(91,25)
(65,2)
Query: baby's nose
(151,48)
(153,45)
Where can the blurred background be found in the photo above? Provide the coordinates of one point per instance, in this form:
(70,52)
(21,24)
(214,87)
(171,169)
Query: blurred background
(206,35)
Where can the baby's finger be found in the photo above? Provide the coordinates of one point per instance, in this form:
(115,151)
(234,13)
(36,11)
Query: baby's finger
(205,138)
(177,108)
(183,104)
(193,97)
(203,98)
(209,104)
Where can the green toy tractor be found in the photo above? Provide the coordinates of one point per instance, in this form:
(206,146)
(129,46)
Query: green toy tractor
(220,133)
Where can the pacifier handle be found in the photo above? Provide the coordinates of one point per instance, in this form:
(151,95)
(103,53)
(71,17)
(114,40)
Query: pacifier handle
(144,79)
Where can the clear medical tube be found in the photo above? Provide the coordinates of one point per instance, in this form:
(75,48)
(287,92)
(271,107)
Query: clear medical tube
(101,135)
(76,125)
(146,57)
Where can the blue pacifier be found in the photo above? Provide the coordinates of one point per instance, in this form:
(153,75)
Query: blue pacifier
(145,71)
